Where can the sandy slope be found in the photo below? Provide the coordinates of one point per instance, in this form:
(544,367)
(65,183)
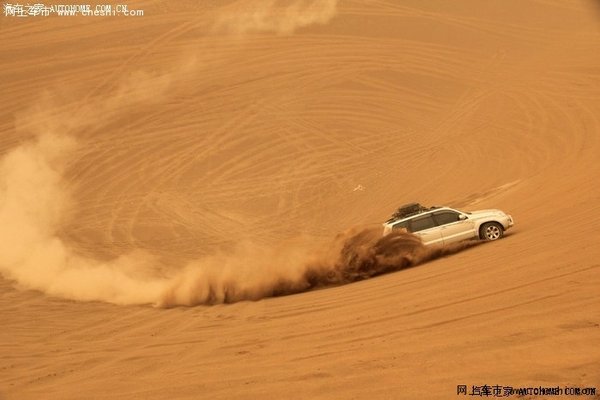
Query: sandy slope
(266,132)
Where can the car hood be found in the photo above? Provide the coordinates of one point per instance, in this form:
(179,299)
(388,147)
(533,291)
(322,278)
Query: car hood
(486,213)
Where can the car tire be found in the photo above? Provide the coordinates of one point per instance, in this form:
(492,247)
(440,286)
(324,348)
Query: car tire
(491,231)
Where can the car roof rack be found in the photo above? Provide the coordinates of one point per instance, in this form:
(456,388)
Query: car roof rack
(408,210)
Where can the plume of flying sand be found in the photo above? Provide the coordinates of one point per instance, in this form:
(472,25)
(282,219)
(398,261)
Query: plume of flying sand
(34,202)
(252,273)
(274,16)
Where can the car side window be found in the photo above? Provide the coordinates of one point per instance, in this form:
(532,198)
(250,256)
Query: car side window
(446,217)
(421,223)
(401,225)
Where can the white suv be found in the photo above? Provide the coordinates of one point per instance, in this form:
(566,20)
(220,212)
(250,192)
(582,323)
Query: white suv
(444,225)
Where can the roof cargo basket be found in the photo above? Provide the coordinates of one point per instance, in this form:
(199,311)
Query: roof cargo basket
(407,210)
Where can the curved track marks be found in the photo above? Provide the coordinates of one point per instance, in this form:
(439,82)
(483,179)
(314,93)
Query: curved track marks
(268,137)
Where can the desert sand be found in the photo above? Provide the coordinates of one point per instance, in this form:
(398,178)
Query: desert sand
(152,167)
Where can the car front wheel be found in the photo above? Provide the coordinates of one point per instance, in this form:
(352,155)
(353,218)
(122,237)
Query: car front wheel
(491,231)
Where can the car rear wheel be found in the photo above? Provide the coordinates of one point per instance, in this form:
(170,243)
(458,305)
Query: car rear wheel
(491,231)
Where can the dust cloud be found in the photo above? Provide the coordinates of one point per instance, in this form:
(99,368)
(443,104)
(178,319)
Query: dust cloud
(363,253)
(35,202)
(274,16)
(253,273)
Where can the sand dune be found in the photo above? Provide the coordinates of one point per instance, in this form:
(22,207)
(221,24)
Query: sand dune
(136,150)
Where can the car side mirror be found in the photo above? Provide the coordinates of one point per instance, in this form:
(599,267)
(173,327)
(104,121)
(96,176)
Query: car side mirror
(462,217)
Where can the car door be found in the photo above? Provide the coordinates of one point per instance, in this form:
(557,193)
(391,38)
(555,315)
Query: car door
(452,227)
(425,227)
